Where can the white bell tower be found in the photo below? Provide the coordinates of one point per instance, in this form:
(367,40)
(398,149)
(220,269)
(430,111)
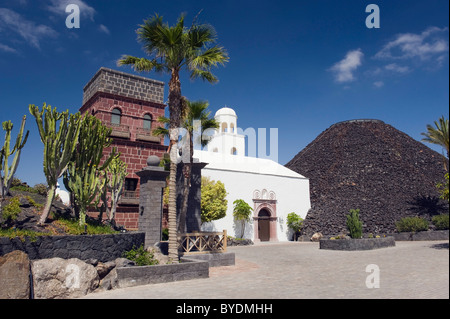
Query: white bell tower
(226,139)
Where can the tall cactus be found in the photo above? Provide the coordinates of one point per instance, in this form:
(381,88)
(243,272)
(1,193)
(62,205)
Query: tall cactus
(59,145)
(116,171)
(84,176)
(7,172)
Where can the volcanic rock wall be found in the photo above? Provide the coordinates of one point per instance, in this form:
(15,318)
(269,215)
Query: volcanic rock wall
(369,165)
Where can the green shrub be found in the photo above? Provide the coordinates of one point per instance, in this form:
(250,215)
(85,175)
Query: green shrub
(411,224)
(140,256)
(40,189)
(213,202)
(21,234)
(440,221)
(294,222)
(354,225)
(16,182)
(12,209)
(33,203)
(443,188)
(23,188)
(241,212)
(72,226)
(165,234)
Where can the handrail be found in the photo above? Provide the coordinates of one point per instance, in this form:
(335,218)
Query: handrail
(202,242)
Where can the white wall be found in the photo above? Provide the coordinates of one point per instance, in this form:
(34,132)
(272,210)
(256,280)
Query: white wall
(292,195)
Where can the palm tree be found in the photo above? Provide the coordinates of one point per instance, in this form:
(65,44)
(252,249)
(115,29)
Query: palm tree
(195,118)
(438,135)
(196,115)
(172,49)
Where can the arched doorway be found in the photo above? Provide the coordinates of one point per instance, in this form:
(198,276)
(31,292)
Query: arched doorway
(264,225)
(265,215)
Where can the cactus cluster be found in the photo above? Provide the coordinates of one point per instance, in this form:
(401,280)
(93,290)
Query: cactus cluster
(73,149)
(84,178)
(59,133)
(7,171)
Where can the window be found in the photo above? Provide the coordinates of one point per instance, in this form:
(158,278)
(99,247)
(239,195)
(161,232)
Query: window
(147,122)
(234,151)
(232,128)
(115,116)
(224,127)
(131,184)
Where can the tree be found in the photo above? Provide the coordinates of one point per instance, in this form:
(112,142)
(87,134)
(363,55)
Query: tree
(438,135)
(196,121)
(59,145)
(213,202)
(172,49)
(241,212)
(84,176)
(294,222)
(7,172)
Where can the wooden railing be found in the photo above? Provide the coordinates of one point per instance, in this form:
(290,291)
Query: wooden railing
(202,242)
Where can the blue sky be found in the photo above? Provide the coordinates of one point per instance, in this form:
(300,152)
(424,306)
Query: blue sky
(297,66)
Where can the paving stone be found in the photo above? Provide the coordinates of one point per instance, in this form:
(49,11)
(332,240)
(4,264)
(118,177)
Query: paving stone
(302,270)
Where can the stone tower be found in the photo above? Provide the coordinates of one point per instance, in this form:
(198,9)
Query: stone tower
(130,106)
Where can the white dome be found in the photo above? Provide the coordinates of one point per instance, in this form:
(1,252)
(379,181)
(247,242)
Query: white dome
(226,111)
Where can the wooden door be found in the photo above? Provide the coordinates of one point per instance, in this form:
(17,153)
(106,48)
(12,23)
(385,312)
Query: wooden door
(264,225)
(264,229)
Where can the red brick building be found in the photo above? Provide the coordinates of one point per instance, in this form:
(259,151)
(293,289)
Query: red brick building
(130,105)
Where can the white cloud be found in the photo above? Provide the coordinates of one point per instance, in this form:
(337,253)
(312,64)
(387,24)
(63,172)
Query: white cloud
(344,69)
(378,84)
(5,48)
(30,31)
(59,7)
(394,67)
(104,29)
(433,42)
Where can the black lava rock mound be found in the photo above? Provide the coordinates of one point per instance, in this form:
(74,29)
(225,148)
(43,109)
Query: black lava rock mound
(371,166)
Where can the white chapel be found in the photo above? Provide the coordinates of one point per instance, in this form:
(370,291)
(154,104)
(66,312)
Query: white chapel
(272,190)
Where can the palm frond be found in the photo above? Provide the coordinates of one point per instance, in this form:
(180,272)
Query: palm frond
(204,75)
(201,35)
(211,57)
(160,131)
(140,64)
(439,134)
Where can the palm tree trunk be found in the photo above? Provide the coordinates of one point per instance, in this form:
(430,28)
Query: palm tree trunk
(187,173)
(175,116)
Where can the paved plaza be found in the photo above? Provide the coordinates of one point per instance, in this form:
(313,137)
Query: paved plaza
(301,270)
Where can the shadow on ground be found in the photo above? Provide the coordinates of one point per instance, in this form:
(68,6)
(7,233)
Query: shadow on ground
(440,246)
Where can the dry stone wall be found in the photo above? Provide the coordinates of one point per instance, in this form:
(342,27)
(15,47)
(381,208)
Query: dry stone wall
(371,166)
(101,247)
